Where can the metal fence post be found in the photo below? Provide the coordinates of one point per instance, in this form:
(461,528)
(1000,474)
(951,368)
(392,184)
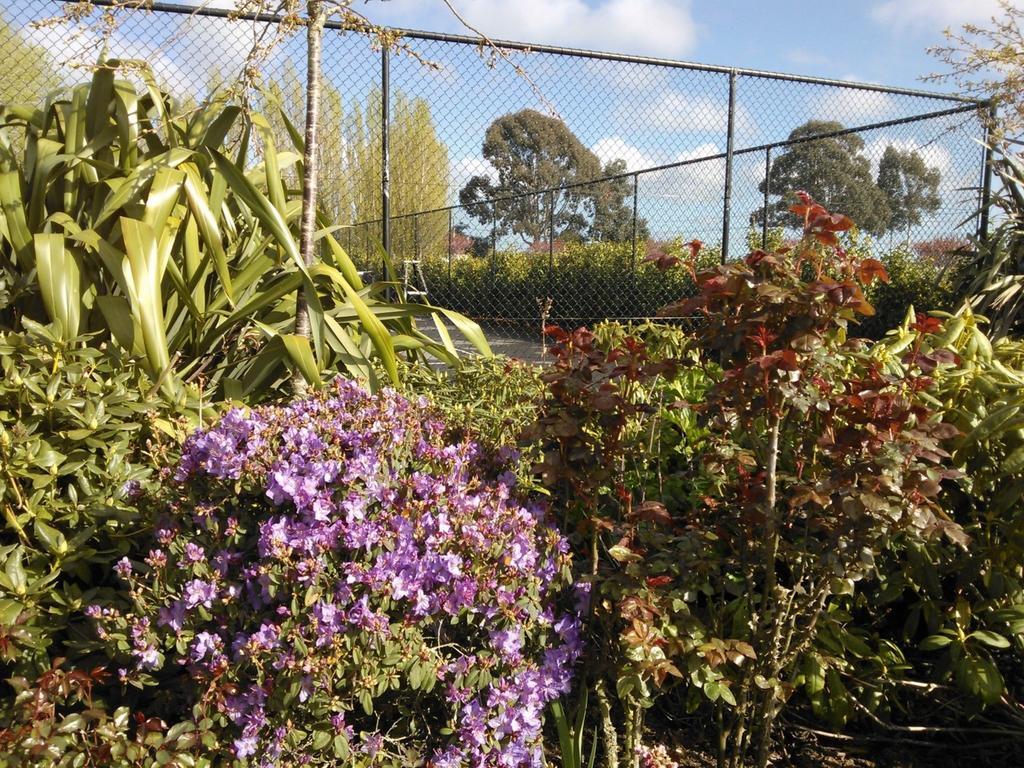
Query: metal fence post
(727,197)
(416,236)
(767,193)
(494,238)
(636,188)
(385,154)
(450,231)
(551,238)
(986,178)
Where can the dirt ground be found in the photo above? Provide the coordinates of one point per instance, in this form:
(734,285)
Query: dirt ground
(511,342)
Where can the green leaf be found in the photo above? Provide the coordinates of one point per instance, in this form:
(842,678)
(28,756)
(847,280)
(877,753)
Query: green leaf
(980,678)
(134,186)
(206,220)
(59,283)
(263,209)
(117,314)
(989,638)
(15,571)
(144,273)
(934,642)
(726,694)
(13,209)
(301,355)
(51,538)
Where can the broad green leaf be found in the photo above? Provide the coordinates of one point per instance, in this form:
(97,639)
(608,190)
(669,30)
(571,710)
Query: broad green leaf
(144,277)
(15,571)
(301,355)
(206,221)
(989,638)
(59,283)
(134,186)
(934,642)
(51,538)
(979,677)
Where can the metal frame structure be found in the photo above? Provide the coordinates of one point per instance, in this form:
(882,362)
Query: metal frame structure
(728,156)
(966,105)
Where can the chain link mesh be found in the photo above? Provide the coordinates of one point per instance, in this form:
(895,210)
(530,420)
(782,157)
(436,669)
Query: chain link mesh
(504,261)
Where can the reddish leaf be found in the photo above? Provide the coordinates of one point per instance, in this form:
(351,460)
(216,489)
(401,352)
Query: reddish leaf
(555,332)
(653,512)
(663,261)
(926,323)
(870,269)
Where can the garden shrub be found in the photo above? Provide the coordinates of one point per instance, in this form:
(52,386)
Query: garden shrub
(335,579)
(935,615)
(490,400)
(613,424)
(75,422)
(58,721)
(802,459)
(914,281)
(215,312)
(586,282)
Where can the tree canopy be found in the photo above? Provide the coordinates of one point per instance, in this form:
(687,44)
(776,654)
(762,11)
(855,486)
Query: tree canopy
(349,154)
(530,151)
(910,186)
(28,73)
(836,172)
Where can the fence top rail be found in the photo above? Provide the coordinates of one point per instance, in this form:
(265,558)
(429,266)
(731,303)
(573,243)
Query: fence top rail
(191,10)
(682,163)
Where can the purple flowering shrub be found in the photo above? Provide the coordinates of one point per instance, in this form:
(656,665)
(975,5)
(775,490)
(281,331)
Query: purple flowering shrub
(336,579)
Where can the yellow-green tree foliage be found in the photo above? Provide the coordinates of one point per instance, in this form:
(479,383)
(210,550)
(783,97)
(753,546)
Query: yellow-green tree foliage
(350,164)
(27,73)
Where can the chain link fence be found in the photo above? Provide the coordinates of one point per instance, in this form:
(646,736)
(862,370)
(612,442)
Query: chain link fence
(514,220)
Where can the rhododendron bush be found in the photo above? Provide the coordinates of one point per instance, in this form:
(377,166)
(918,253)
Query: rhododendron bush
(338,580)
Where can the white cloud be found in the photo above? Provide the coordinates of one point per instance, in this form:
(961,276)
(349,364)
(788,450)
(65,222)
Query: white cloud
(651,27)
(699,181)
(184,51)
(616,148)
(81,45)
(933,15)
(853,106)
(465,168)
(803,57)
(632,79)
(678,111)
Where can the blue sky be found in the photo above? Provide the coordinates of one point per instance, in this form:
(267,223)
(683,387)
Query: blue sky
(875,40)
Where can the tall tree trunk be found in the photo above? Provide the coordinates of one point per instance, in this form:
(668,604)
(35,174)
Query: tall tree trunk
(316,18)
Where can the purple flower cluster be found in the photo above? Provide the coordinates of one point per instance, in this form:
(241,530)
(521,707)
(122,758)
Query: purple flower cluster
(336,558)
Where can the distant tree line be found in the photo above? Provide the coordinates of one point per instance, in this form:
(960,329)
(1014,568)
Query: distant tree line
(350,161)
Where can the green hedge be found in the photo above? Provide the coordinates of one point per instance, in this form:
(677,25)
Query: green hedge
(585,282)
(596,281)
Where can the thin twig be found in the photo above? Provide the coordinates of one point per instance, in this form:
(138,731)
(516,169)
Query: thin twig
(501,52)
